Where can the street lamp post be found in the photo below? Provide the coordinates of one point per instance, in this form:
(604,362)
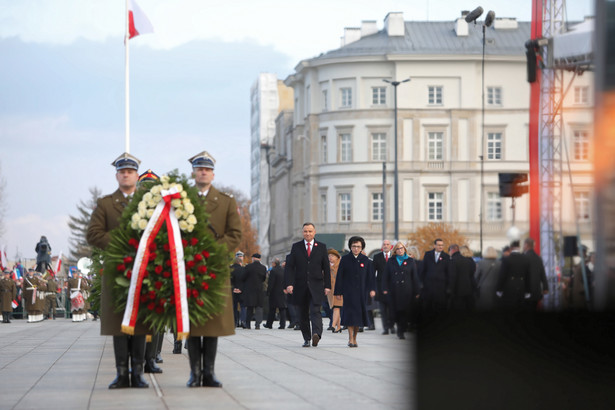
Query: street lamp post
(395,172)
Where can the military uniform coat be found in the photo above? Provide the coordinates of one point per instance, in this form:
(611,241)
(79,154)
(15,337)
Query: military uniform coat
(38,306)
(225,224)
(8,293)
(309,276)
(254,275)
(355,279)
(105,218)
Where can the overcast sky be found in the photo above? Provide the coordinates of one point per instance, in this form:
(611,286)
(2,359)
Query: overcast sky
(62,89)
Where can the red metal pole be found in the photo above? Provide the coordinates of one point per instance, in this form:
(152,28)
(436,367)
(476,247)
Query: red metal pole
(534,131)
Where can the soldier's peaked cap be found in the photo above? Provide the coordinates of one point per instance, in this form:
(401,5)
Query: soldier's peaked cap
(125,161)
(203,160)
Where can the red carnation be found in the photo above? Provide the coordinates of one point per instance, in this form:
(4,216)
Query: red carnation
(158,269)
(194,241)
(172,300)
(166,247)
(184,243)
(152,246)
(159,310)
(128,260)
(189,278)
(121,267)
(205,254)
(129,274)
(195,293)
(133,242)
(152,256)
(151,294)
(198,257)
(144,297)
(151,305)
(205,285)
(202,269)
(212,276)
(166,274)
(158,285)
(190,264)
(145,274)
(168,262)
(199,302)
(162,301)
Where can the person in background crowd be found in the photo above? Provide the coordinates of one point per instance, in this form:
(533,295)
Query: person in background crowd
(538,277)
(384,302)
(236,279)
(487,272)
(276,295)
(335,303)
(34,296)
(415,311)
(8,293)
(254,275)
(577,291)
(355,281)
(462,284)
(435,276)
(50,298)
(513,287)
(401,282)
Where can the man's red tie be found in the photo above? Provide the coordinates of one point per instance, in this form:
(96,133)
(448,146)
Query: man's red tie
(386,257)
(309,245)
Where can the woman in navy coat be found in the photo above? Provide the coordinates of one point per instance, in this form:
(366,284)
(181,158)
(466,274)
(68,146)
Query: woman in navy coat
(355,280)
(402,282)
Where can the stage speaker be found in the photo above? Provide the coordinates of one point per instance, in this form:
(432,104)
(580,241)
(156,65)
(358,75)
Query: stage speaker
(570,246)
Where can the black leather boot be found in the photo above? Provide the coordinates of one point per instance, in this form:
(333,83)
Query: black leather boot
(159,341)
(210,348)
(194,357)
(137,361)
(150,358)
(177,347)
(120,350)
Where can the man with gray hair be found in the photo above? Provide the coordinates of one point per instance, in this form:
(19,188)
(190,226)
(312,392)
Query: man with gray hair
(380,263)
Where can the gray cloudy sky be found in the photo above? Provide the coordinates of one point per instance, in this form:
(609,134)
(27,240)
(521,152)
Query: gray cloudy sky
(62,89)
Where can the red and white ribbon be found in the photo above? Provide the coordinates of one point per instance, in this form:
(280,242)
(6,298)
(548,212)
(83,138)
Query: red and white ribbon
(164,213)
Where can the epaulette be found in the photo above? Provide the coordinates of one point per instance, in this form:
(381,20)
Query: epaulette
(227,194)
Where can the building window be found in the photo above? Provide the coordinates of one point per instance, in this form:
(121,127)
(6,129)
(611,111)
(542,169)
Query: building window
(581,146)
(435,146)
(435,95)
(379,96)
(494,145)
(435,205)
(345,148)
(581,200)
(323,148)
(346,97)
(325,100)
(379,147)
(377,207)
(345,208)
(323,208)
(581,94)
(494,206)
(494,95)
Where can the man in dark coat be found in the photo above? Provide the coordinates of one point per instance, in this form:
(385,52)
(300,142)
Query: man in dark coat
(105,218)
(435,276)
(514,282)
(384,303)
(236,279)
(308,278)
(276,295)
(254,274)
(462,284)
(538,278)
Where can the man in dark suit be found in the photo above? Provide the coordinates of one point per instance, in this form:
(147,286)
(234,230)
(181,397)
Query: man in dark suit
(380,263)
(276,294)
(514,281)
(435,276)
(462,284)
(538,278)
(254,275)
(308,278)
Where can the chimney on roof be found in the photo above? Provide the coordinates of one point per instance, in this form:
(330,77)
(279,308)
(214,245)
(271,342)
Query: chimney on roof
(506,23)
(461,26)
(394,24)
(351,34)
(368,27)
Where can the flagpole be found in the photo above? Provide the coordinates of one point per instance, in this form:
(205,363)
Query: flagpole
(127,80)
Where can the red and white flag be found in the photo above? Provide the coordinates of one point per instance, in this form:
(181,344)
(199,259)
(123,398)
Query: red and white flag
(4,261)
(138,23)
(59,264)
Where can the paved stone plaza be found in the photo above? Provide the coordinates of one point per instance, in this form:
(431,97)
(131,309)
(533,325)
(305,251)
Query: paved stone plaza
(63,365)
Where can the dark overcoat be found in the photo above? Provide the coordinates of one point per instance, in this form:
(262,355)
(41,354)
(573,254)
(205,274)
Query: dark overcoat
(513,280)
(380,264)
(275,288)
(402,283)
(254,275)
(8,293)
(487,273)
(538,277)
(435,276)
(355,279)
(309,276)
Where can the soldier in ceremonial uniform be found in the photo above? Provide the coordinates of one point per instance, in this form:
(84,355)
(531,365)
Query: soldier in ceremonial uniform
(78,285)
(50,298)
(34,289)
(8,292)
(104,219)
(225,224)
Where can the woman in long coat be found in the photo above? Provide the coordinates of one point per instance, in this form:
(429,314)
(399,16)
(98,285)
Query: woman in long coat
(401,280)
(334,303)
(487,272)
(355,280)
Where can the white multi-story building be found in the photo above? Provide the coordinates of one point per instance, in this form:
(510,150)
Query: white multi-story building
(327,161)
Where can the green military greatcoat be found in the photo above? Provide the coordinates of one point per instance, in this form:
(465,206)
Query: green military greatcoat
(8,292)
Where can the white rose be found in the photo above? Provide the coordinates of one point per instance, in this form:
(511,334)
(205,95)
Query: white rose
(142,224)
(178,213)
(147,197)
(150,212)
(165,185)
(189,208)
(134,225)
(141,212)
(179,187)
(142,205)
(176,203)
(135,217)
(164,178)
(155,190)
(152,204)
(191,220)
(183,225)
(184,194)
(157,198)
(190,228)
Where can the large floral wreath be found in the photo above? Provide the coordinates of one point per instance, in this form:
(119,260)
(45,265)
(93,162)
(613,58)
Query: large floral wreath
(167,268)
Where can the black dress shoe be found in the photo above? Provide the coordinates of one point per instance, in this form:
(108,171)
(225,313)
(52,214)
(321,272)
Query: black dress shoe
(257,327)
(315,339)
(306,343)
(372,327)
(361,329)
(297,327)
(267,327)
(159,358)
(401,336)
(386,332)
(330,328)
